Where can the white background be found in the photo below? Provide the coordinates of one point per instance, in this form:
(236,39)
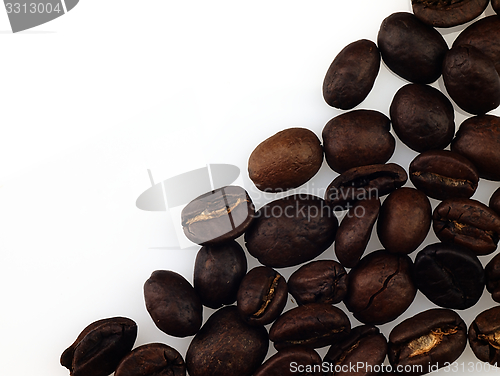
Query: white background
(93,99)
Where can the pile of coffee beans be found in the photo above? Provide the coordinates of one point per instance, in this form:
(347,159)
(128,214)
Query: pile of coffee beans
(291,231)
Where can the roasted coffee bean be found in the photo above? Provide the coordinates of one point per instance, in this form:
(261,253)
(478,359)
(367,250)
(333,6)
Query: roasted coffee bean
(485,36)
(471,80)
(492,273)
(173,303)
(322,281)
(355,231)
(286,160)
(291,230)
(358,138)
(496,5)
(411,49)
(313,325)
(448,13)
(218,216)
(351,75)
(365,345)
(380,287)
(484,336)
(450,276)
(295,360)
(443,174)
(427,341)
(468,223)
(153,359)
(478,139)
(262,296)
(218,271)
(495,201)
(422,117)
(100,347)
(227,346)
(361,183)
(404,220)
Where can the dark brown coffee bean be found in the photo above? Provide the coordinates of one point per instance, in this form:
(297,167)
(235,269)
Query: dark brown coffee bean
(361,183)
(100,347)
(323,281)
(218,216)
(411,49)
(286,160)
(364,346)
(173,303)
(295,360)
(313,325)
(496,5)
(351,75)
(262,296)
(495,201)
(380,287)
(492,273)
(422,117)
(478,139)
(355,231)
(450,276)
(153,359)
(358,138)
(218,271)
(471,80)
(427,341)
(484,35)
(291,230)
(484,336)
(404,220)
(468,223)
(443,174)
(448,13)
(227,346)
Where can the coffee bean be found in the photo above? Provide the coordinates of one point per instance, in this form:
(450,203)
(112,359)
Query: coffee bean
(227,346)
(484,336)
(323,281)
(450,276)
(478,139)
(365,345)
(291,230)
(355,231)
(471,80)
(100,347)
(427,341)
(173,303)
(358,138)
(484,35)
(492,274)
(295,360)
(218,271)
(468,223)
(365,182)
(411,49)
(218,216)
(286,160)
(443,174)
(351,75)
(496,5)
(422,117)
(380,287)
(151,360)
(262,296)
(495,201)
(404,220)
(448,13)
(313,325)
